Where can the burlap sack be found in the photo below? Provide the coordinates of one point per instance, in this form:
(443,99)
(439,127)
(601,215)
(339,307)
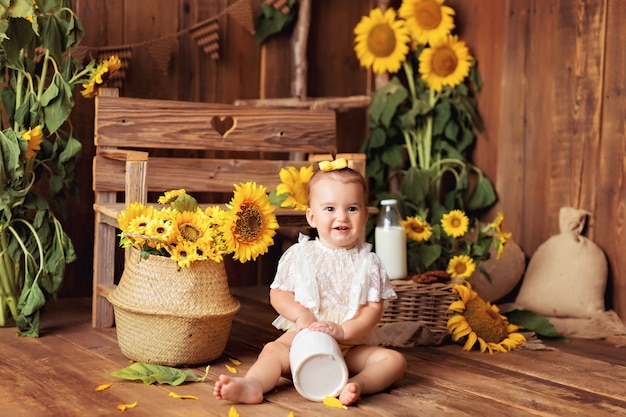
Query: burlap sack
(567,275)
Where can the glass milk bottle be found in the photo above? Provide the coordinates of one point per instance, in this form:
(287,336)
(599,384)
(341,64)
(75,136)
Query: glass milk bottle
(390,240)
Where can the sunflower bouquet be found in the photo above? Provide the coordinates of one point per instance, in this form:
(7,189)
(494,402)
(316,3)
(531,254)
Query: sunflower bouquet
(187,233)
(422,121)
(451,245)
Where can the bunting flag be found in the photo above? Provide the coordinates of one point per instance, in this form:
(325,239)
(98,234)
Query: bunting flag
(160,50)
(124,53)
(207,36)
(241,12)
(279,5)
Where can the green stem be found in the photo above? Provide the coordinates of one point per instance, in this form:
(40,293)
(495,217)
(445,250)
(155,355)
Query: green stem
(18,90)
(6,265)
(410,148)
(9,287)
(408,69)
(44,72)
(428,133)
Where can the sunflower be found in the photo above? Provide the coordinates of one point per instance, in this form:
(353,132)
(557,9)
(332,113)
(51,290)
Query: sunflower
(455,223)
(160,229)
(294,184)
(427,20)
(34,137)
(170,196)
(189,226)
(417,228)
(100,75)
(501,236)
(445,62)
(252,223)
(381,41)
(480,321)
(184,253)
(461,266)
(130,212)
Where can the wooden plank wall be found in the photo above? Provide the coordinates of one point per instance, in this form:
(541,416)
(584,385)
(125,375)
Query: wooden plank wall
(553,100)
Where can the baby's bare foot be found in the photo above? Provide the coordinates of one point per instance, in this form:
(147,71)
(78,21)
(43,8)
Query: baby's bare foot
(350,393)
(239,390)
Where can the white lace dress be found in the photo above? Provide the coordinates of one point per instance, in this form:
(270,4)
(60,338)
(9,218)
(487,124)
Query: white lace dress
(332,283)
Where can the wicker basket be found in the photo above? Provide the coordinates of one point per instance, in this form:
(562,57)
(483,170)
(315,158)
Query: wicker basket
(425,303)
(170,316)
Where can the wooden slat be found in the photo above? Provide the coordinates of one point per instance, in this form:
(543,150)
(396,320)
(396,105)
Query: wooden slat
(193,174)
(139,123)
(610,214)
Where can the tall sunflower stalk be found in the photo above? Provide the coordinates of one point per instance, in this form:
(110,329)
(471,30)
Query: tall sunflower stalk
(38,153)
(422,121)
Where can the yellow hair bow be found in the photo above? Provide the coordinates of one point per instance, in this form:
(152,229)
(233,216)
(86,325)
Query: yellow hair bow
(340,163)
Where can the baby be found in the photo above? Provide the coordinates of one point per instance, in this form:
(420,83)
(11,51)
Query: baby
(333,284)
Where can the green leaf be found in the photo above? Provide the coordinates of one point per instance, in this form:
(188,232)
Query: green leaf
(376,139)
(20,33)
(416,184)
(533,322)
(9,157)
(21,8)
(185,202)
(53,35)
(272,21)
(275,199)
(428,254)
(385,101)
(151,374)
(58,102)
(484,194)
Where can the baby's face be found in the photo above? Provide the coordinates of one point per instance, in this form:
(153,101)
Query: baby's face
(337,211)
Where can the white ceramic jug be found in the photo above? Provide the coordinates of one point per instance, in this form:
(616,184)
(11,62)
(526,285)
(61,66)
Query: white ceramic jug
(318,368)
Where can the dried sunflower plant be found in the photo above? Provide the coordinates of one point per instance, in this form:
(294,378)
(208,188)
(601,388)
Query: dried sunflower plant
(38,152)
(186,233)
(423,121)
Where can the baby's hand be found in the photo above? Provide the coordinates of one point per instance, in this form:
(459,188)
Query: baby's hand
(328,327)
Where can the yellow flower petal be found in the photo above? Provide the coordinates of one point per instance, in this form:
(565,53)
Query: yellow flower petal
(103,387)
(459,327)
(124,407)
(458,306)
(231,369)
(459,334)
(233,412)
(235,361)
(183,397)
(471,340)
(333,402)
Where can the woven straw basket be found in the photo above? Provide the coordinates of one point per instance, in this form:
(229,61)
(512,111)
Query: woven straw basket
(170,316)
(425,303)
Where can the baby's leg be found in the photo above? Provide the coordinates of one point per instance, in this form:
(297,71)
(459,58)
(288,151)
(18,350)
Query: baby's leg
(374,369)
(262,376)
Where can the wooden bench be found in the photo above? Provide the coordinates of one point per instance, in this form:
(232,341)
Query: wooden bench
(150,146)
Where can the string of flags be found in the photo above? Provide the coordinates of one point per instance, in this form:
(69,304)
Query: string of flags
(206,34)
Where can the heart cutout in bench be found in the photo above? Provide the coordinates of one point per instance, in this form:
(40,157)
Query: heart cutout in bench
(223,125)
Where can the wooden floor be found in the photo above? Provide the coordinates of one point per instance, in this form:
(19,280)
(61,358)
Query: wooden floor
(56,375)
